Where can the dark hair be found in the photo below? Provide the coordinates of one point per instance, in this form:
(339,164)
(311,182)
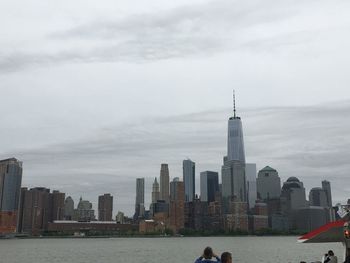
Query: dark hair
(331,253)
(225,257)
(208,253)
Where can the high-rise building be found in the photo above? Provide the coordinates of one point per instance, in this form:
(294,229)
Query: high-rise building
(268,184)
(140,198)
(250,172)
(105,207)
(155,191)
(35,210)
(326,186)
(189,169)
(68,208)
(56,205)
(177,205)
(209,185)
(84,211)
(318,197)
(10,190)
(293,195)
(233,169)
(164,182)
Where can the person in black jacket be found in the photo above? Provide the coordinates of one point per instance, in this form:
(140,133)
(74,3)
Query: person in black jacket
(208,254)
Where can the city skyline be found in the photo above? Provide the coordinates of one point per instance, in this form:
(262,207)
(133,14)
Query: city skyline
(96,96)
(148,184)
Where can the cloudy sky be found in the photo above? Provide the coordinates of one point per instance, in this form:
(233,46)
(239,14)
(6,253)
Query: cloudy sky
(96,93)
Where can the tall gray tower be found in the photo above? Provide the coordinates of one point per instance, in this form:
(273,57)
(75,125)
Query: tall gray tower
(164,182)
(155,191)
(326,186)
(189,169)
(140,198)
(233,169)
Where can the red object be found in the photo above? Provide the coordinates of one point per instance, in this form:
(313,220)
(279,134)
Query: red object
(331,232)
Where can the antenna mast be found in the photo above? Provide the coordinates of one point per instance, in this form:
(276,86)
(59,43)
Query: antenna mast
(234,104)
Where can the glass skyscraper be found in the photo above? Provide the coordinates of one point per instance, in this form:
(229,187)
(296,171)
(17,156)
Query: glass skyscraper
(189,179)
(10,190)
(233,169)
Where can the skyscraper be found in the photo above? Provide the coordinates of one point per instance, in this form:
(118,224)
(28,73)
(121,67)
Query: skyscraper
(10,190)
(250,171)
(105,207)
(233,169)
(326,186)
(177,205)
(68,208)
(140,198)
(56,205)
(164,182)
(189,169)
(209,185)
(292,195)
(35,210)
(155,191)
(318,197)
(268,184)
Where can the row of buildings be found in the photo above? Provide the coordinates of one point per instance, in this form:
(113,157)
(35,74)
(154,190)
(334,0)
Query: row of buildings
(38,210)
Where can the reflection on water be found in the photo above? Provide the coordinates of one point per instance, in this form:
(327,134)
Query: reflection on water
(160,250)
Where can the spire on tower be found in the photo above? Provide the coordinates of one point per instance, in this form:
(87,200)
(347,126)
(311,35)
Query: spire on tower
(234,104)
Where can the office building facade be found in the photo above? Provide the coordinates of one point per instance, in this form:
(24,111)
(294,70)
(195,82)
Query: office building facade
(209,182)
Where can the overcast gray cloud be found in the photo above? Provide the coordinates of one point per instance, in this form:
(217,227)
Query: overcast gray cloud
(193,30)
(94,94)
(311,143)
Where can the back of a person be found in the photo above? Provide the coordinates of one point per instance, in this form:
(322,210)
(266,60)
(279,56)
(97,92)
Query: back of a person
(208,256)
(333,259)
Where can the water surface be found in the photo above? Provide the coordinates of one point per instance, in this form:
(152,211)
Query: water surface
(160,250)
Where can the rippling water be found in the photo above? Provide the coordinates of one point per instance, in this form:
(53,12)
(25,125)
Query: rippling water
(160,250)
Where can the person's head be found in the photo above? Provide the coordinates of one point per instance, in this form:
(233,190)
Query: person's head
(226,257)
(208,253)
(331,253)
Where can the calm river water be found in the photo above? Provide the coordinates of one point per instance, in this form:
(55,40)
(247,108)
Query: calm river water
(160,250)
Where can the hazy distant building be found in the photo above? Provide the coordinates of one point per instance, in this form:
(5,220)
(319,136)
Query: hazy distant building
(155,191)
(250,172)
(326,186)
(177,205)
(164,182)
(105,207)
(68,208)
(120,218)
(140,198)
(293,193)
(84,211)
(189,169)
(209,182)
(268,184)
(292,199)
(233,169)
(318,197)
(10,190)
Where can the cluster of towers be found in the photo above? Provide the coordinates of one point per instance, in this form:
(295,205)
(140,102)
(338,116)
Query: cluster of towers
(242,201)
